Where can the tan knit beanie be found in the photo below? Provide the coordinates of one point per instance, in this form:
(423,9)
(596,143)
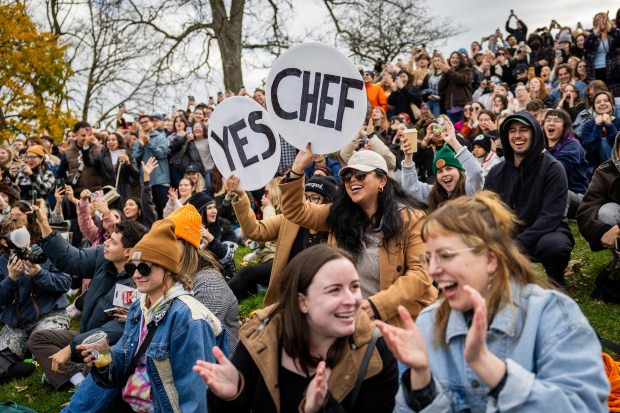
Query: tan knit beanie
(159,247)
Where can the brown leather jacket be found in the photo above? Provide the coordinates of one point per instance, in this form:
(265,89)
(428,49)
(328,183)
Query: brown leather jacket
(261,337)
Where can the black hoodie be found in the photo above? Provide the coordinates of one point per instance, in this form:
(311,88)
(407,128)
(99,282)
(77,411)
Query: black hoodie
(536,190)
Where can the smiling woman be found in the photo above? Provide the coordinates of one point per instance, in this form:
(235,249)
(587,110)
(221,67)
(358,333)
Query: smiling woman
(499,338)
(376,221)
(304,353)
(456,174)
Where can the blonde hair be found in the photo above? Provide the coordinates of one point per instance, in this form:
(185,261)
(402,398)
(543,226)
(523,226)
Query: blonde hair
(484,222)
(190,262)
(275,194)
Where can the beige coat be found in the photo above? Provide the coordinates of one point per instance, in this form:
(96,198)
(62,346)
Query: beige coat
(402,279)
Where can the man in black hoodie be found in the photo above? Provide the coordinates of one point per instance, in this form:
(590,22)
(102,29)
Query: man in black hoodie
(535,186)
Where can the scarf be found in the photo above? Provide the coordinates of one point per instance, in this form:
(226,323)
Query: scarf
(159,308)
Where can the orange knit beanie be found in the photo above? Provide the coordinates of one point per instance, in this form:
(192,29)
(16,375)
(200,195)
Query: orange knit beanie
(187,222)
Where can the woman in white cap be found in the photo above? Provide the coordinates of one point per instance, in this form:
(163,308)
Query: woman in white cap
(375,220)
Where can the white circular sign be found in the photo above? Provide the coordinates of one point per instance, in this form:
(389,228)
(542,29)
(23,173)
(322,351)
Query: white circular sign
(316,94)
(244,142)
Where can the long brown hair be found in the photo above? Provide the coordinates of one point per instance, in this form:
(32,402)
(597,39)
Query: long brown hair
(193,260)
(484,222)
(439,195)
(297,277)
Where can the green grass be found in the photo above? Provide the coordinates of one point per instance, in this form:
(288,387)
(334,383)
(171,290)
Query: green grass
(605,318)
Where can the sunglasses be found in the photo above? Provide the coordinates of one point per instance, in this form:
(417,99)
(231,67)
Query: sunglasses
(359,175)
(143,268)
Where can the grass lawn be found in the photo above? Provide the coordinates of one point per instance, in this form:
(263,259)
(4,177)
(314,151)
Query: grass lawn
(605,318)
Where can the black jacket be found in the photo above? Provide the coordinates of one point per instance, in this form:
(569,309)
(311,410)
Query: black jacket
(89,263)
(188,152)
(536,190)
(403,98)
(103,162)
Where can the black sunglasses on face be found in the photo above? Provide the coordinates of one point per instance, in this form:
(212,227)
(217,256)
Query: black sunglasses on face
(143,268)
(359,175)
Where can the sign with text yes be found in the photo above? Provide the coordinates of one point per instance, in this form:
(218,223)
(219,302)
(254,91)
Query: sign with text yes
(316,94)
(244,142)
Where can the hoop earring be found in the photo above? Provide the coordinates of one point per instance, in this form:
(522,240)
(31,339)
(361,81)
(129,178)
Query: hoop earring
(380,189)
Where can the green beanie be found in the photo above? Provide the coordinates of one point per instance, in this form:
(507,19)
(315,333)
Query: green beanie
(445,157)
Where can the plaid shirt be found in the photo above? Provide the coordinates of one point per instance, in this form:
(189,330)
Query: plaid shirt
(287,155)
(42,180)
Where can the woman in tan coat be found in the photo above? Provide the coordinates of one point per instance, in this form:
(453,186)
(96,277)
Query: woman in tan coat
(375,220)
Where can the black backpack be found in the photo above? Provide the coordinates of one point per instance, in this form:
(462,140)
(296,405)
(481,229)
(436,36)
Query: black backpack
(607,284)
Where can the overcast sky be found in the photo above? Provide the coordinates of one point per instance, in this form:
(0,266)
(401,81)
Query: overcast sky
(478,17)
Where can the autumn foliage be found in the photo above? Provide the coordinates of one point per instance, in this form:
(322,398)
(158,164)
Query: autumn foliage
(33,76)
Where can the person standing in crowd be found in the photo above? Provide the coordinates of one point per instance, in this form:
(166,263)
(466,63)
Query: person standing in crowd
(562,145)
(153,144)
(166,321)
(143,209)
(116,166)
(73,168)
(32,298)
(519,32)
(456,170)
(405,94)
(535,186)
(291,239)
(500,339)
(430,85)
(374,93)
(35,175)
(455,86)
(601,53)
(305,353)
(182,150)
(374,219)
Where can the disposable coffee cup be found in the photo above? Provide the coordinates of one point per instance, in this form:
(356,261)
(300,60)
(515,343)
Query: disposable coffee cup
(99,348)
(411,136)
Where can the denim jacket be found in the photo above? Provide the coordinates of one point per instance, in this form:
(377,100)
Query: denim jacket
(186,333)
(552,354)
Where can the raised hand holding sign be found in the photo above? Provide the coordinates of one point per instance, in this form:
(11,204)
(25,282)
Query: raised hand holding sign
(316,94)
(244,142)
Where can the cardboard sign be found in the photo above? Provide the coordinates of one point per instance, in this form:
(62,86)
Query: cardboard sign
(244,142)
(316,94)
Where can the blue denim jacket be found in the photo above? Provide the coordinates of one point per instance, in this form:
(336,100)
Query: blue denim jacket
(185,334)
(553,357)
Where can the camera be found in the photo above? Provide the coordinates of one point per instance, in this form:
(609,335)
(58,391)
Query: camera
(18,241)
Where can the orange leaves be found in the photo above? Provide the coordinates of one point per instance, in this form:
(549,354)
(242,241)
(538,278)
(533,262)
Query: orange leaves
(33,75)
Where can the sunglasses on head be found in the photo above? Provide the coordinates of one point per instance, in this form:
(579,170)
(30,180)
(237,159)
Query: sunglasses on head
(359,175)
(143,268)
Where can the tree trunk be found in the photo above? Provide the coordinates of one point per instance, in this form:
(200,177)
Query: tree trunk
(229,33)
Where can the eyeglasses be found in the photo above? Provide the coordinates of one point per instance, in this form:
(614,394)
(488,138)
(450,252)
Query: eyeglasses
(557,121)
(31,157)
(315,199)
(359,175)
(501,54)
(143,268)
(466,109)
(443,256)
(475,108)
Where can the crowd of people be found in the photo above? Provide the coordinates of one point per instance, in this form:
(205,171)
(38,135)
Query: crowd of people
(398,273)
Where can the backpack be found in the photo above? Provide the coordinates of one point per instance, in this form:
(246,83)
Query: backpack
(607,284)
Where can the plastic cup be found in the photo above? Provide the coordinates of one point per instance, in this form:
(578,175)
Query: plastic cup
(411,136)
(99,348)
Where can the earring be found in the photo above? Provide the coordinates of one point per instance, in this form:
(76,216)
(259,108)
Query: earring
(490,283)
(380,189)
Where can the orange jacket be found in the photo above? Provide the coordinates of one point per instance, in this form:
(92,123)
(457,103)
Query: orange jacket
(376,96)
